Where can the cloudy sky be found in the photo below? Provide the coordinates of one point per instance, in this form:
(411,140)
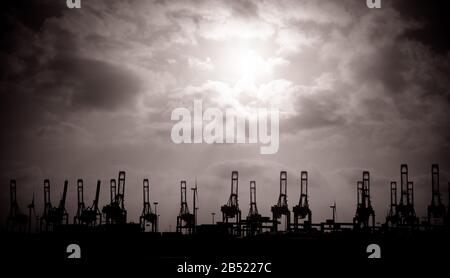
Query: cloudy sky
(88,92)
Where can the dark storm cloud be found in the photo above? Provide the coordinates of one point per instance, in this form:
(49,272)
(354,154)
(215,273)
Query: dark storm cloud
(91,84)
(432,22)
(318,110)
(387,66)
(20,23)
(43,70)
(31,13)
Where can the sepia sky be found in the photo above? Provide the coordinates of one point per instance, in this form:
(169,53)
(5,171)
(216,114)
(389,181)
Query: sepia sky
(88,92)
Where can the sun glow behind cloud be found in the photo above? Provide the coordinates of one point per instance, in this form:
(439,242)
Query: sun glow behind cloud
(248,63)
(240,72)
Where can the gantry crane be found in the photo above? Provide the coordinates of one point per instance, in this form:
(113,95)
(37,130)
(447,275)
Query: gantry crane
(31,215)
(254,219)
(253,211)
(54,216)
(406,211)
(281,208)
(89,216)
(392,219)
(231,210)
(115,212)
(436,210)
(148,217)
(194,203)
(364,209)
(16,221)
(185,219)
(81,207)
(302,210)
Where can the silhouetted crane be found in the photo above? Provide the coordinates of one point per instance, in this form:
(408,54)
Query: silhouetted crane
(393,219)
(436,210)
(32,212)
(148,217)
(185,219)
(89,216)
(194,204)
(302,210)
(254,219)
(115,212)
(54,216)
(406,211)
(231,209)
(281,208)
(364,209)
(16,221)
